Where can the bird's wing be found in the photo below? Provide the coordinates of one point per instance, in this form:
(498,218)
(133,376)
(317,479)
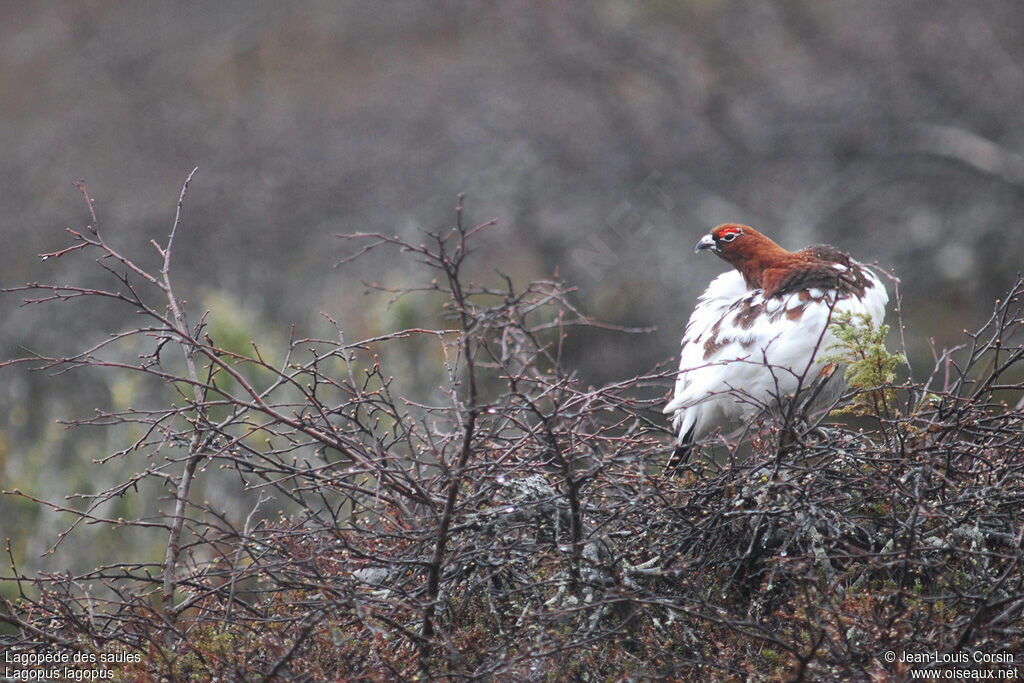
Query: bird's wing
(741,350)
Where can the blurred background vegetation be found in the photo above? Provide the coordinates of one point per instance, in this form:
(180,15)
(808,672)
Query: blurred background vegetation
(605,137)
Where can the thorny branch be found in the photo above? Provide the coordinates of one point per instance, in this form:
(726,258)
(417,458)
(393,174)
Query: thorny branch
(516,523)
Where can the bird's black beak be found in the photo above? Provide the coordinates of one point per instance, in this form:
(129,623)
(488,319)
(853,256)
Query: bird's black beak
(706,242)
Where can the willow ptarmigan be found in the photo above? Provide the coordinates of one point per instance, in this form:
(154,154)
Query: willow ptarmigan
(759,332)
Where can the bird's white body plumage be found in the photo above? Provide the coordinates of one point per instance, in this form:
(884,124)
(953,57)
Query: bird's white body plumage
(742,351)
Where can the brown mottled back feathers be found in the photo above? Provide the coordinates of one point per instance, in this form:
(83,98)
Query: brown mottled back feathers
(820,266)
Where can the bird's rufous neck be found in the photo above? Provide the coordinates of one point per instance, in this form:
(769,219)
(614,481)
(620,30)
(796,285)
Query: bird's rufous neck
(755,256)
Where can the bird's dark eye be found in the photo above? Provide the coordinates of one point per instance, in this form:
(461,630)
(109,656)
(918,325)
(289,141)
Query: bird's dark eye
(729,236)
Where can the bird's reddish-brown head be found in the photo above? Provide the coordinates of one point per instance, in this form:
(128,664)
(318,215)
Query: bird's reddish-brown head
(747,250)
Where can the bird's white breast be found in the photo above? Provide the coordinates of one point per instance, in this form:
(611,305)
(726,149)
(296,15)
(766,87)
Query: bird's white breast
(741,352)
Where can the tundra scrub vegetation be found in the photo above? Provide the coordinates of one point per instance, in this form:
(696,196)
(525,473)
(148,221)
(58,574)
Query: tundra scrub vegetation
(315,521)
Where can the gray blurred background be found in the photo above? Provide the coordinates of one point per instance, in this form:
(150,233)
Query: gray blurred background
(605,137)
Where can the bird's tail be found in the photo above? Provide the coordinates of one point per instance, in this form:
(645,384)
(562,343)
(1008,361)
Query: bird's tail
(681,454)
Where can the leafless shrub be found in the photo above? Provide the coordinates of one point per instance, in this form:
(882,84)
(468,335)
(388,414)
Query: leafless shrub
(519,525)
